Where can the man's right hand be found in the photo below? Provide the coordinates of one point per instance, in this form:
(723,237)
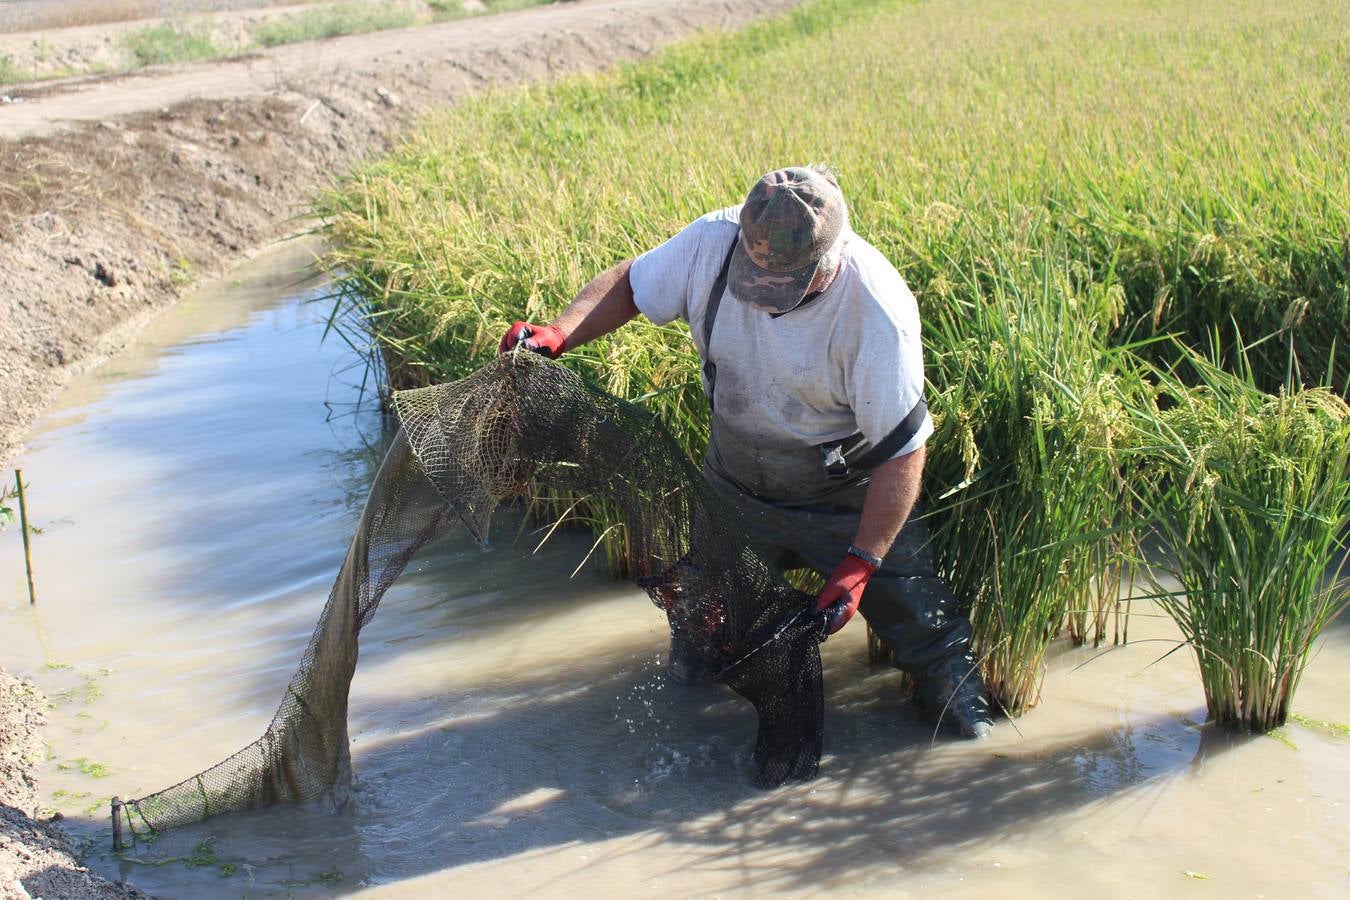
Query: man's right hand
(843,591)
(545,339)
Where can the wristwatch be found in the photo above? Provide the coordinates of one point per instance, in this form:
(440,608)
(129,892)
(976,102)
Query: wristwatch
(873,561)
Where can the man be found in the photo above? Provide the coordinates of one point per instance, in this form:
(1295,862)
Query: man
(814,374)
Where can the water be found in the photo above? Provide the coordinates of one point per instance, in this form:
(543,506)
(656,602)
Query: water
(512,729)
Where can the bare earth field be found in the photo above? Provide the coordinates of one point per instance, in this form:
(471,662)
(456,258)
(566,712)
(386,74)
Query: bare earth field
(116,192)
(31,15)
(83,49)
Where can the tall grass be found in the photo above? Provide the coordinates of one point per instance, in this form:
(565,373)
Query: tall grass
(9,72)
(170,42)
(360,16)
(444,10)
(333,20)
(1060,183)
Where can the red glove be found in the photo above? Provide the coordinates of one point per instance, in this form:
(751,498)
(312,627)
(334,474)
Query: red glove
(843,591)
(546,339)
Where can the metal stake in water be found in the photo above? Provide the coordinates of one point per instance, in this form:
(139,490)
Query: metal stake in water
(118,844)
(23,527)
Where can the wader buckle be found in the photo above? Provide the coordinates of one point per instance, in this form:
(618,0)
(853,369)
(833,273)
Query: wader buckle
(833,459)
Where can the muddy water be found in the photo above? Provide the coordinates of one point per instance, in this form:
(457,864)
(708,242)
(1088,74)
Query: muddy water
(512,729)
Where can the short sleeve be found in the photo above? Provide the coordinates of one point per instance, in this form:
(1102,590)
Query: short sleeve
(661,277)
(887,380)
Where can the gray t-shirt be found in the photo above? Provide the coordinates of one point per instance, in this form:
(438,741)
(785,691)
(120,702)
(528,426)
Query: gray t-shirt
(848,361)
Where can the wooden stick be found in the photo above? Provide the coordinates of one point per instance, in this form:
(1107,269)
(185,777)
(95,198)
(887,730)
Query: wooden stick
(23,526)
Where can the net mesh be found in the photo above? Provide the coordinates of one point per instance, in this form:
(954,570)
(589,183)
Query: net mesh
(525,423)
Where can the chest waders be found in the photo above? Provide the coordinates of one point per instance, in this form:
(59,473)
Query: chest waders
(812,522)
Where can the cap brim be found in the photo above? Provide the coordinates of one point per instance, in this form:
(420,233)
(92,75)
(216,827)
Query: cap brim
(779,291)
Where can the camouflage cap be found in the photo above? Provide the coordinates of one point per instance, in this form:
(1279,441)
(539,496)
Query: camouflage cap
(790,221)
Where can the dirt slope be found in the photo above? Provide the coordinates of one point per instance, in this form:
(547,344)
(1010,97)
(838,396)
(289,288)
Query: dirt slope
(116,193)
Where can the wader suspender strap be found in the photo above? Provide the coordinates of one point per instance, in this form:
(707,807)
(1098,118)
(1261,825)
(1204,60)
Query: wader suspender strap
(841,459)
(710,315)
(899,436)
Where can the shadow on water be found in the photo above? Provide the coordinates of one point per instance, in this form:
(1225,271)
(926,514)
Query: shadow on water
(594,754)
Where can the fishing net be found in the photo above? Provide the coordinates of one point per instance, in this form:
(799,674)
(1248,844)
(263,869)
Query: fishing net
(522,423)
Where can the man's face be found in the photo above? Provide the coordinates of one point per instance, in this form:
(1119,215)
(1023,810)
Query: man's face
(825,276)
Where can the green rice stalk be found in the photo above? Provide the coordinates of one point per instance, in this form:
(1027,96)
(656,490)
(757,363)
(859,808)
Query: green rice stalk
(1197,184)
(1027,489)
(1251,496)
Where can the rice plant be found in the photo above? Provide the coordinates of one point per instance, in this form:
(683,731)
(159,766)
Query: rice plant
(1029,502)
(1251,497)
(1060,183)
(1210,200)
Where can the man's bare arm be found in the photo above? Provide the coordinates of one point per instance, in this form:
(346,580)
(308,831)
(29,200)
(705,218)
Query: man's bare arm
(603,305)
(890,499)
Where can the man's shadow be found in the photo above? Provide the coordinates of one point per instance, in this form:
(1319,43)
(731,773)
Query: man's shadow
(567,753)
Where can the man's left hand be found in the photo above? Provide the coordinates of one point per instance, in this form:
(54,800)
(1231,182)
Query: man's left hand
(843,591)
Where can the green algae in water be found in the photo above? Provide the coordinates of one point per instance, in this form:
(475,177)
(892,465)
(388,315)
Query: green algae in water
(1335,728)
(85,767)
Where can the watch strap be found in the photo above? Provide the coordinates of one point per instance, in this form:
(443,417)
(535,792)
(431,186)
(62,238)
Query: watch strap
(860,553)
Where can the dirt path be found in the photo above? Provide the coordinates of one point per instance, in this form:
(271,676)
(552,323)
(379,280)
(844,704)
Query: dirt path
(117,192)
